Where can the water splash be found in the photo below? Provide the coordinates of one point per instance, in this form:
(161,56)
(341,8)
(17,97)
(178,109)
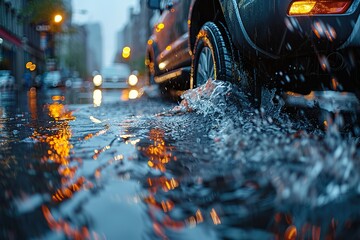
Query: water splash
(212,98)
(304,166)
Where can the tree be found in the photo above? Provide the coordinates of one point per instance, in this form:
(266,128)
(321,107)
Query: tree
(43,11)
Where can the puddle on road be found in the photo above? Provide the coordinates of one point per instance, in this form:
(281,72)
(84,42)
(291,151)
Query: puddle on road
(209,168)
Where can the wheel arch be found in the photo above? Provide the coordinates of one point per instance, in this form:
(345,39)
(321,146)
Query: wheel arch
(215,11)
(197,17)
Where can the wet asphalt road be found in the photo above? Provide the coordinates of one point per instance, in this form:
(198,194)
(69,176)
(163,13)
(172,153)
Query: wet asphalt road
(85,164)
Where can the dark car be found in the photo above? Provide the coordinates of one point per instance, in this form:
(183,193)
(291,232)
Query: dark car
(291,45)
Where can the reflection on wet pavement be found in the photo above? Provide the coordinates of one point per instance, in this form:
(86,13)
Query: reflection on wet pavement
(106,166)
(158,153)
(40,132)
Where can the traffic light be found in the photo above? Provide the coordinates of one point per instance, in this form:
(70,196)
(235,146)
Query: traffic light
(126,53)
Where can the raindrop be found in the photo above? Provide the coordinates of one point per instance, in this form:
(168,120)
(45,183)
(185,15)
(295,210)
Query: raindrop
(285,193)
(357,131)
(288,47)
(295,24)
(324,63)
(289,25)
(287,78)
(302,78)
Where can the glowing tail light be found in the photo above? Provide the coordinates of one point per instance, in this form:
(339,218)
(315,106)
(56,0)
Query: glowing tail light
(311,7)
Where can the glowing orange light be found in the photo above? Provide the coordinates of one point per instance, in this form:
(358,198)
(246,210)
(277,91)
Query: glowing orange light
(126,52)
(215,217)
(199,217)
(97,173)
(32,67)
(65,227)
(33,103)
(291,233)
(167,206)
(58,18)
(192,221)
(28,65)
(334,83)
(159,154)
(125,55)
(160,27)
(126,49)
(301,7)
(311,7)
(58,98)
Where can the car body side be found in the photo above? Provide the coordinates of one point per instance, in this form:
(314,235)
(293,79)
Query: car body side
(168,47)
(262,31)
(264,27)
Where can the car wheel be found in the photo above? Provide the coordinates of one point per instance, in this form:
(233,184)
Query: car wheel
(212,56)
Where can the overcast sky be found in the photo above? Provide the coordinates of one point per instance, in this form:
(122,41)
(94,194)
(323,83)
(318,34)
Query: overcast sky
(111,14)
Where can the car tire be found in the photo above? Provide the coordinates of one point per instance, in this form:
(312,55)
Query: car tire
(213,57)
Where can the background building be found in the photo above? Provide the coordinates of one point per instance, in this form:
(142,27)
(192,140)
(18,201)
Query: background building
(94,47)
(135,35)
(19,40)
(74,52)
(28,33)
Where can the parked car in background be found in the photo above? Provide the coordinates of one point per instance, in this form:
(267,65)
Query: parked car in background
(74,82)
(168,55)
(53,79)
(114,76)
(6,79)
(291,45)
(133,79)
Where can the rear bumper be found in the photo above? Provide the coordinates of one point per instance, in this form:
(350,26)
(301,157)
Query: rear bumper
(263,29)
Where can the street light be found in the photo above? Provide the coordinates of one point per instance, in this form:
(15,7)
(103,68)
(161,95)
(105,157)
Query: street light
(58,18)
(54,37)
